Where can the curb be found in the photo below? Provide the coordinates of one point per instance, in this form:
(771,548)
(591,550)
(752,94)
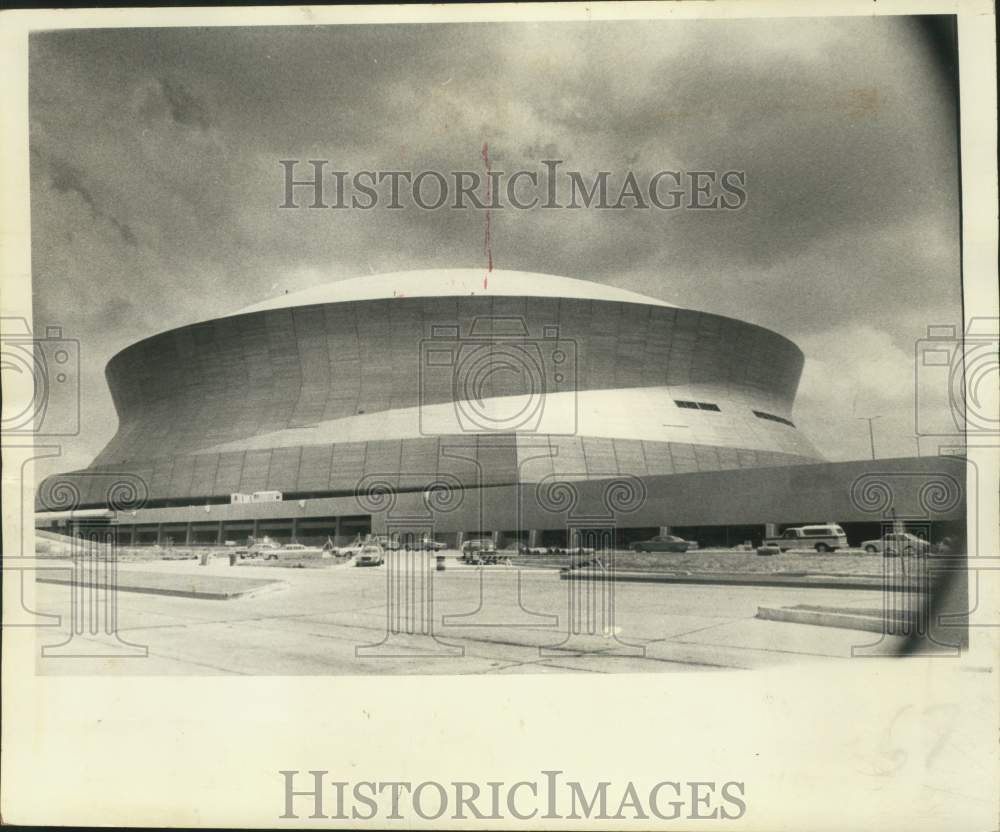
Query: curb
(729,579)
(844,621)
(176,593)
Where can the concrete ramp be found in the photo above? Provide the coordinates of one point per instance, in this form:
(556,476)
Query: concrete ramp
(207,587)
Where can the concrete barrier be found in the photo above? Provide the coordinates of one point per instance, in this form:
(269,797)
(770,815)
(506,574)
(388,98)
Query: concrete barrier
(845,620)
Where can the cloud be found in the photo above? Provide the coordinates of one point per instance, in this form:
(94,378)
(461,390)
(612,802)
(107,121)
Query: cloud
(157,179)
(857,367)
(857,372)
(67,178)
(184,107)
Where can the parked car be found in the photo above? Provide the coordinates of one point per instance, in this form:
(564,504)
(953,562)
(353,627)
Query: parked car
(479,544)
(576,550)
(661,543)
(267,549)
(291,551)
(479,550)
(825,538)
(406,542)
(370,554)
(523,549)
(348,550)
(895,544)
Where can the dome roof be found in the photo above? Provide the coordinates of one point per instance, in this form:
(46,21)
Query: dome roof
(450,283)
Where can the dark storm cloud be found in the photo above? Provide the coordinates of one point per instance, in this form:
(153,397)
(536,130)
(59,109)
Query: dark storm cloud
(68,179)
(171,138)
(182,107)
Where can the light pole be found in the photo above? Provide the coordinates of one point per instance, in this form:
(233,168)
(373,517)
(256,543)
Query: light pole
(871,430)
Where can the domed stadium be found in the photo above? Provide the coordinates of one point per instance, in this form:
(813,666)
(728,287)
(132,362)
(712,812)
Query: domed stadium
(481,381)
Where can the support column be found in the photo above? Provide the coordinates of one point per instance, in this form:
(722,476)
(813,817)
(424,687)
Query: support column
(534,537)
(459,539)
(256,530)
(664,530)
(220,535)
(159,534)
(496,539)
(770,530)
(187,535)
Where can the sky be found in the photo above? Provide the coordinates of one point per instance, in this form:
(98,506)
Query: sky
(155,181)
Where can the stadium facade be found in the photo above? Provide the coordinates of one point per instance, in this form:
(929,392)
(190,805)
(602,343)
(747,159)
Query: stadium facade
(457,403)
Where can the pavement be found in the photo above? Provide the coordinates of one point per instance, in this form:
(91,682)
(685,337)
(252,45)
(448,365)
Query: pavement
(494,619)
(800,579)
(203,585)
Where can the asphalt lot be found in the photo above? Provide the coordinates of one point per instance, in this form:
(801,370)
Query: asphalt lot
(334,621)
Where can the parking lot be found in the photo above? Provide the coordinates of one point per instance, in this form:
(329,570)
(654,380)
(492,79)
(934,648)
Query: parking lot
(498,619)
(847,562)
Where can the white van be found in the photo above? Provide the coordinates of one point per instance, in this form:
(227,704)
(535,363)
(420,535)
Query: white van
(824,538)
